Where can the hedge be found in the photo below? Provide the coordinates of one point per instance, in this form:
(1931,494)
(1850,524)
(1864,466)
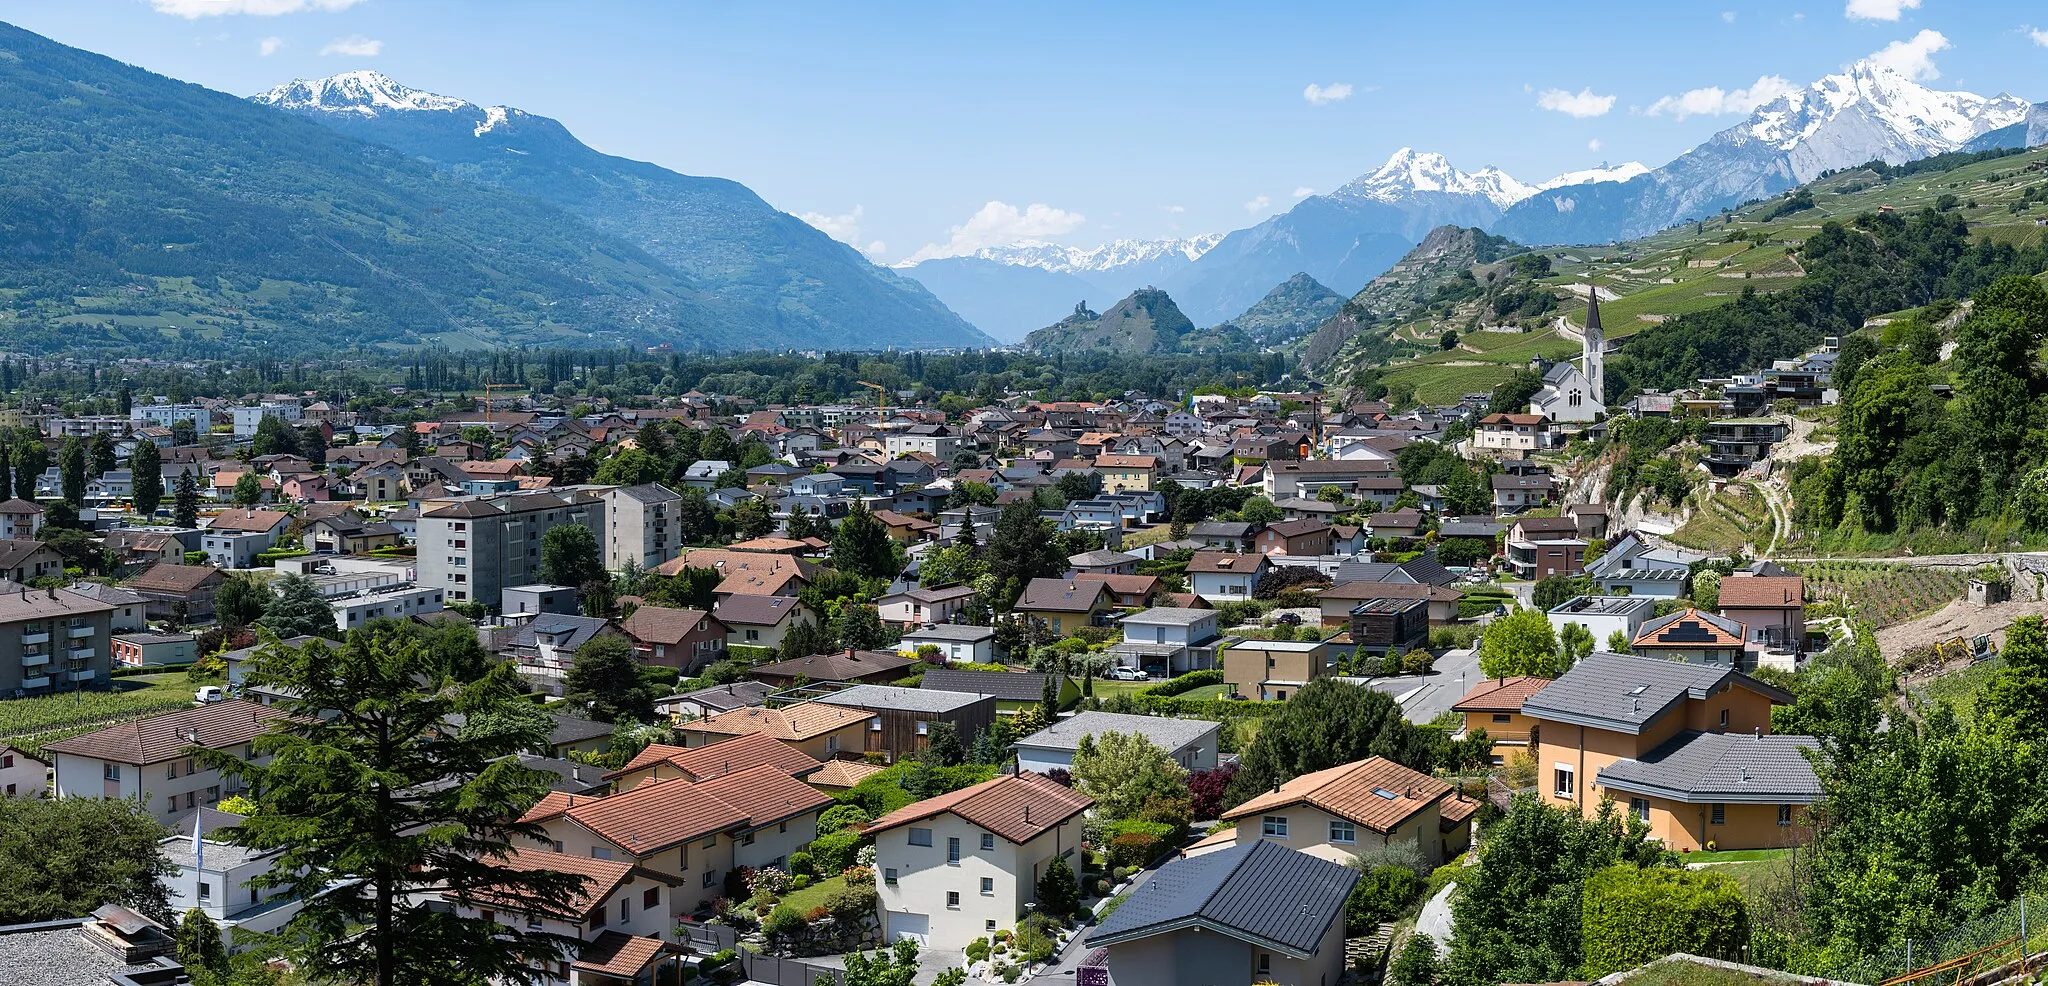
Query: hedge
(1630,916)
(750,653)
(272,556)
(1187,682)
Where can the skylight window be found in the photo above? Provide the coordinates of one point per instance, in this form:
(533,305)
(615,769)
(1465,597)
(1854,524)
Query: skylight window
(1384,793)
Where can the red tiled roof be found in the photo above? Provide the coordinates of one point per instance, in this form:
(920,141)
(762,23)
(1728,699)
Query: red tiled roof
(765,793)
(796,722)
(215,726)
(1763,592)
(1353,791)
(1500,694)
(727,757)
(618,955)
(1019,807)
(656,815)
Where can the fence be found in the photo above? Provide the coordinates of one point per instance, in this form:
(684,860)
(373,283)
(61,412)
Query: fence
(788,972)
(1963,951)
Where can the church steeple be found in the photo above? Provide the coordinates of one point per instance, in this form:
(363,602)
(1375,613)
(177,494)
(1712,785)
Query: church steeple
(1594,349)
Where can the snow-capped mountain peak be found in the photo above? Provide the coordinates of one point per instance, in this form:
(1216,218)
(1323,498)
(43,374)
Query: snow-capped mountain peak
(1907,118)
(362,91)
(1620,172)
(1409,172)
(1109,256)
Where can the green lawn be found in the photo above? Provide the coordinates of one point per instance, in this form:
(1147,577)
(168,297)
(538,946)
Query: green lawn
(1104,689)
(1736,855)
(814,896)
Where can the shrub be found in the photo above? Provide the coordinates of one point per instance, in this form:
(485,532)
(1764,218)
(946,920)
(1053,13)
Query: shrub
(1381,896)
(1631,915)
(768,881)
(1187,682)
(1100,887)
(835,852)
(799,881)
(854,903)
(1134,848)
(800,863)
(1122,873)
(1205,790)
(1003,935)
(1058,894)
(1417,964)
(783,922)
(977,950)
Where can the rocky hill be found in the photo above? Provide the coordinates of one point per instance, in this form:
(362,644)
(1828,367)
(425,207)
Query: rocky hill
(1440,271)
(1293,309)
(1145,323)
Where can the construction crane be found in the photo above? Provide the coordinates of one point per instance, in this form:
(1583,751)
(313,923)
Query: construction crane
(881,398)
(488,399)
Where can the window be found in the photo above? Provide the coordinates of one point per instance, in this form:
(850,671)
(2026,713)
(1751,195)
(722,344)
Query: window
(889,876)
(533,922)
(1564,786)
(1784,814)
(924,728)
(625,909)
(988,886)
(875,724)
(952,900)
(213,793)
(1344,832)
(1718,814)
(1273,825)
(1501,717)
(651,899)
(205,890)
(709,842)
(1639,807)
(171,772)
(1724,718)
(747,840)
(597,918)
(1265,964)
(988,842)
(920,837)
(710,877)
(989,925)
(600,852)
(953,851)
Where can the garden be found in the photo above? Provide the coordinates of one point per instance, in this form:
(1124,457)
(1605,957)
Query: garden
(28,724)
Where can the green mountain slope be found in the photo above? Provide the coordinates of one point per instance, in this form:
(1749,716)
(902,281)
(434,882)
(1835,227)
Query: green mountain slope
(144,212)
(1146,322)
(767,268)
(1293,309)
(1454,273)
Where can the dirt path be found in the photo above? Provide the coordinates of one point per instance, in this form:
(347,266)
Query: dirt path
(1781,518)
(1800,444)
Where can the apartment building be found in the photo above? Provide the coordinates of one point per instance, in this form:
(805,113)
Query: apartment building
(168,415)
(151,759)
(248,419)
(475,547)
(52,640)
(640,526)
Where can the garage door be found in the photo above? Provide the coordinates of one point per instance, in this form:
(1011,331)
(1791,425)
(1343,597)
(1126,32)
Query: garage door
(912,926)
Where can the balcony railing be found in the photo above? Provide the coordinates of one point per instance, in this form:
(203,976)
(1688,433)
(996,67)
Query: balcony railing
(41,637)
(34,660)
(86,675)
(81,630)
(42,681)
(78,654)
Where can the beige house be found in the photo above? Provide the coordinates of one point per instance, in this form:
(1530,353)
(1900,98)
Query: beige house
(822,731)
(615,924)
(150,759)
(1272,670)
(959,866)
(1339,812)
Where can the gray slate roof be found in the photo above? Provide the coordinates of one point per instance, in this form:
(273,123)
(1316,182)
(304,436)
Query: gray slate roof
(1625,693)
(1735,768)
(952,631)
(898,699)
(1167,734)
(1170,616)
(1006,686)
(1262,893)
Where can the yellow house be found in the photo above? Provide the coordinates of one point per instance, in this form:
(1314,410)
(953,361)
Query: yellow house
(1066,605)
(1121,473)
(1686,748)
(820,730)
(1495,705)
(1339,812)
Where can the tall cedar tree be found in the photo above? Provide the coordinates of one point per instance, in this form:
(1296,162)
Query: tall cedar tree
(374,805)
(147,465)
(569,556)
(861,545)
(6,472)
(30,459)
(100,454)
(605,680)
(185,505)
(71,471)
(1021,548)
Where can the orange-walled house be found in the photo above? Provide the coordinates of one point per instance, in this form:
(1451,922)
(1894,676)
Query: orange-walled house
(1687,748)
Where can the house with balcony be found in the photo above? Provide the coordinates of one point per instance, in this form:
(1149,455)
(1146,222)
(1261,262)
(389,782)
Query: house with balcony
(1539,547)
(901,719)
(209,874)
(616,926)
(1066,605)
(1294,537)
(1771,608)
(684,639)
(1604,616)
(760,620)
(1171,639)
(1512,432)
(916,607)
(1516,493)
(26,561)
(1223,576)
(958,866)
(150,759)
(1634,567)
(1686,748)
(52,640)
(20,520)
(1734,444)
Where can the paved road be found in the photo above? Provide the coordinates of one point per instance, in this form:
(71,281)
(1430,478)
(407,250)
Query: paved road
(1424,697)
(1435,919)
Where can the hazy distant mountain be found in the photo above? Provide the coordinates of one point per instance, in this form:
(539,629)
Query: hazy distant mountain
(1348,237)
(1869,112)
(791,284)
(1291,310)
(1009,291)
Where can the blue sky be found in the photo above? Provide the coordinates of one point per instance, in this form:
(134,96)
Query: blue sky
(909,126)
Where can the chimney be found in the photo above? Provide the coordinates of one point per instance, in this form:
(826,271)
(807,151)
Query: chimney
(1027,813)
(576,773)
(1759,733)
(1745,775)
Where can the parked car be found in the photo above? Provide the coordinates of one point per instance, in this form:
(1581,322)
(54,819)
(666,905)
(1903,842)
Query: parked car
(1127,674)
(207,694)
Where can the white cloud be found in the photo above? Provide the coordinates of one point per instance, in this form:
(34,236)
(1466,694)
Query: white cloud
(1175,209)
(1001,224)
(1913,58)
(1879,10)
(1303,191)
(1593,145)
(1258,204)
(2039,35)
(1714,101)
(269,46)
(1583,104)
(875,249)
(844,227)
(1335,92)
(354,46)
(195,9)
(1727,17)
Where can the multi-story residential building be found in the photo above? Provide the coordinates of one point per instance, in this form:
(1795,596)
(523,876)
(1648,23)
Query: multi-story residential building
(640,526)
(136,650)
(1127,472)
(1695,638)
(822,731)
(1512,432)
(961,865)
(1539,547)
(1066,605)
(1294,537)
(616,925)
(1771,607)
(150,759)
(957,643)
(477,546)
(939,441)
(22,775)
(685,639)
(1173,639)
(1272,670)
(1221,576)
(1303,478)
(20,519)
(1604,616)
(168,415)
(52,640)
(901,719)
(1338,812)
(1686,747)
(247,419)
(183,592)
(86,426)
(916,607)
(354,609)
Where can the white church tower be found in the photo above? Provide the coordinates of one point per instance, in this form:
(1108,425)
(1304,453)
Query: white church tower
(1594,349)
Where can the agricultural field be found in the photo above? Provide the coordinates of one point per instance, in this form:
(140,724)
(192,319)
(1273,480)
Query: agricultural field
(1959,688)
(1726,522)
(29,723)
(1882,594)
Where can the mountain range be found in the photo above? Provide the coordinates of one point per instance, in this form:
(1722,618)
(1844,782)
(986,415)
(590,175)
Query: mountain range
(1010,291)
(791,283)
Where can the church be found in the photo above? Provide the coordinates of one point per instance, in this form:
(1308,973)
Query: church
(1572,394)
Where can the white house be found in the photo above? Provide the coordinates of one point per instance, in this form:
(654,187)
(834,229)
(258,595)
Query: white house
(959,866)
(1192,743)
(21,775)
(959,643)
(1175,638)
(1603,615)
(212,875)
(147,759)
(356,609)
(1222,576)
(915,606)
(617,922)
